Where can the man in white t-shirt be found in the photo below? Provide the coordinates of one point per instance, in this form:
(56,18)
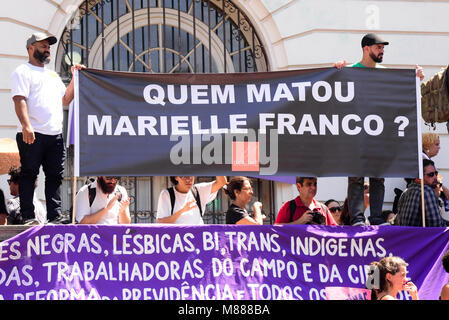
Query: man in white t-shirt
(103,201)
(39,96)
(185,209)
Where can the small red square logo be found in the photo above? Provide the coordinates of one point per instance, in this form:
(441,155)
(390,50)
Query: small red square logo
(245,156)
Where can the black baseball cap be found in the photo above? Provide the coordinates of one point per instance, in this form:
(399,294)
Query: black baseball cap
(39,36)
(371,38)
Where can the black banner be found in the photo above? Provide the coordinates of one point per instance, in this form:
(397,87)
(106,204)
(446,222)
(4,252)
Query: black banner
(314,122)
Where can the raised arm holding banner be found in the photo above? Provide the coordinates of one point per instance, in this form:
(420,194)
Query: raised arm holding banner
(274,123)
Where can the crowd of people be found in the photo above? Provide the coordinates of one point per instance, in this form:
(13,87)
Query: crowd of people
(105,201)
(39,96)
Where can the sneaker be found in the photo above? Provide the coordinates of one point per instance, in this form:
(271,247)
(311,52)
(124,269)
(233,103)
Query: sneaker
(360,223)
(31,222)
(60,220)
(375,221)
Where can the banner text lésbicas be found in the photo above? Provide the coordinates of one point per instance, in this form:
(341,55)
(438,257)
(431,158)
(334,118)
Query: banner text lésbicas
(214,262)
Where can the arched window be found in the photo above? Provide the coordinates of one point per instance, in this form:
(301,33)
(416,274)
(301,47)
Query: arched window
(168,36)
(162,36)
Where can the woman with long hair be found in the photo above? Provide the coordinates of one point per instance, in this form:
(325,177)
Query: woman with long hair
(388,277)
(340,217)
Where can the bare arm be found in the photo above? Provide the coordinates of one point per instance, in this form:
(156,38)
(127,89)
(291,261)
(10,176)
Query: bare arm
(445,292)
(95,217)
(247,221)
(69,94)
(172,218)
(123,216)
(445,191)
(420,72)
(412,290)
(21,108)
(258,216)
(305,219)
(339,64)
(70,90)
(219,182)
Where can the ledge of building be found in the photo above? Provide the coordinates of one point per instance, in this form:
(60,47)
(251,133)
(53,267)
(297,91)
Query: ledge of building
(7,232)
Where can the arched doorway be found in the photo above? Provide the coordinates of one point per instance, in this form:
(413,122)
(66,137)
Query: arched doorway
(162,36)
(169,36)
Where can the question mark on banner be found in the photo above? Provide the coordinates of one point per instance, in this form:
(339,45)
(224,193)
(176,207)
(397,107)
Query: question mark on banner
(403,122)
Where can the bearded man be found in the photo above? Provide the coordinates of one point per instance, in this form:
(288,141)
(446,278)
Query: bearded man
(103,201)
(373,53)
(39,96)
(410,202)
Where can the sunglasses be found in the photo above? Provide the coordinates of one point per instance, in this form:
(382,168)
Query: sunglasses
(431,174)
(334,209)
(112,178)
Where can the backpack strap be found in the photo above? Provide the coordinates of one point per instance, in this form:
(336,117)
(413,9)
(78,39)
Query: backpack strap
(92,194)
(323,207)
(195,193)
(292,206)
(171,192)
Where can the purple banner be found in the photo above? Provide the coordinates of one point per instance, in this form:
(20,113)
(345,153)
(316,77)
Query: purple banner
(213,262)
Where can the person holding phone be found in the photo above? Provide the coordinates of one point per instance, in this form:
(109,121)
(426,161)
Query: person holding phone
(410,204)
(103,201)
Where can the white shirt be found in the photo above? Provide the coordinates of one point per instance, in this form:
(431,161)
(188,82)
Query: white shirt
(192,216)
(43,90)
(40,213)
(83,209)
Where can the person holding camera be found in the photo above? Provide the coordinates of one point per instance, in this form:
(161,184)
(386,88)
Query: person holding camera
(103,201)
(305,209)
